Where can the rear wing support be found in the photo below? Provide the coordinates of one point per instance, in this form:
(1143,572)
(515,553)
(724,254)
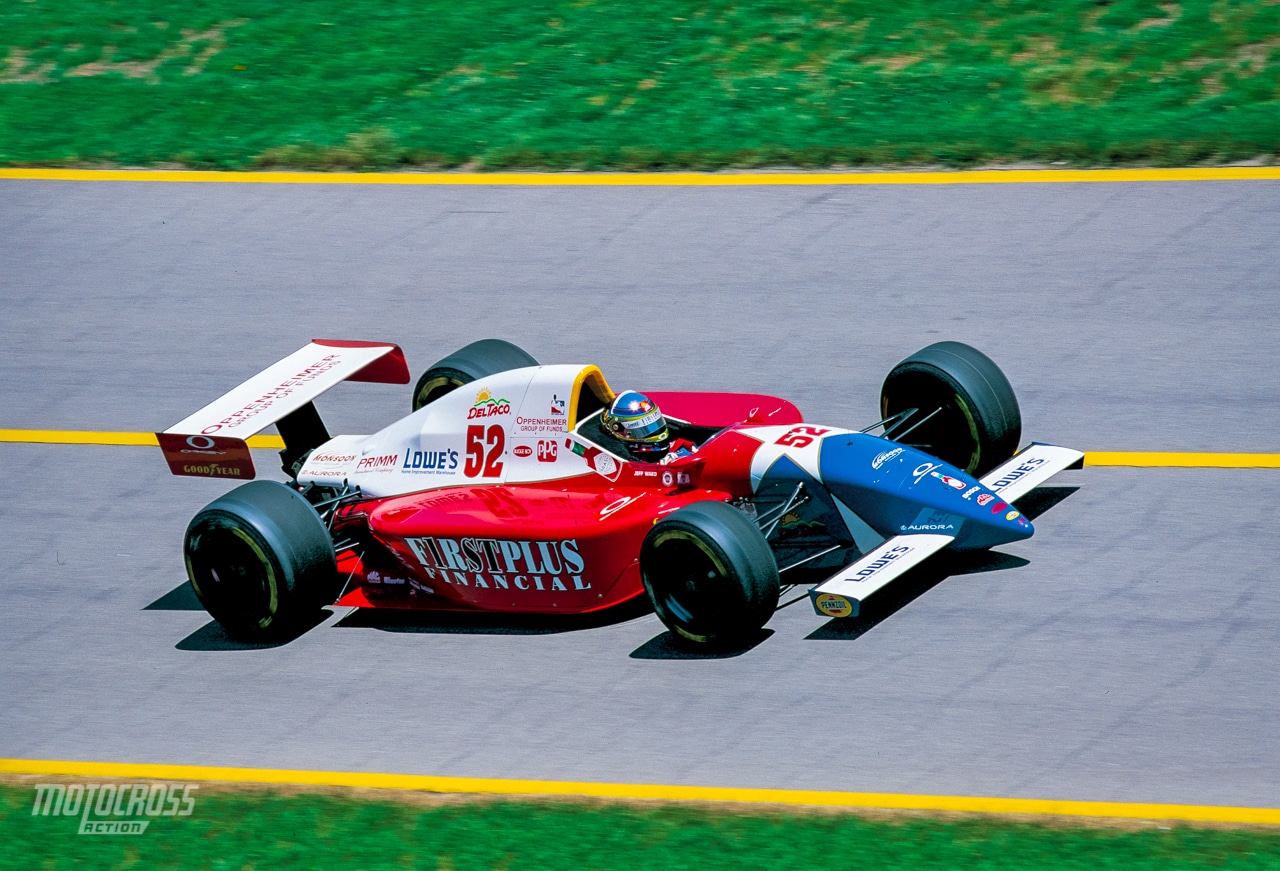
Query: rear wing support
(212,442)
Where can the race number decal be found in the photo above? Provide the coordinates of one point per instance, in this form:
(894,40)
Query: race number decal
(481,463)
(801,436)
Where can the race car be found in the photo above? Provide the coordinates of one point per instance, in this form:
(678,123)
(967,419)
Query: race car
(503,491)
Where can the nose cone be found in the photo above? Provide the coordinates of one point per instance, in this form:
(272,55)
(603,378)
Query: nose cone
(994,522)
(902,491)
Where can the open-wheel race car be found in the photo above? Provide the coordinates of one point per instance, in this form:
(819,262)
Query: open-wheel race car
(504,491)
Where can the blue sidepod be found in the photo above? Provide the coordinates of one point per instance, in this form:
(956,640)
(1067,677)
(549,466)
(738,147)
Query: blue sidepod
(899,490)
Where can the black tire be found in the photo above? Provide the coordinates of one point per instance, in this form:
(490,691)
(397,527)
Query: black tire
(260,560)
(477,360)
(977,425)
(710,574)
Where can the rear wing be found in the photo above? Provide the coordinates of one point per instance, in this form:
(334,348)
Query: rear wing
(211,442)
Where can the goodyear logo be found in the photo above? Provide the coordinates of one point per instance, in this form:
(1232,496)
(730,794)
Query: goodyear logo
(833,605)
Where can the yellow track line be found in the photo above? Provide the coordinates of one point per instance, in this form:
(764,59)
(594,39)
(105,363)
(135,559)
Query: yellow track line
(1092,458)
(73,437)
(491,786)
(630,179)
(1198,461)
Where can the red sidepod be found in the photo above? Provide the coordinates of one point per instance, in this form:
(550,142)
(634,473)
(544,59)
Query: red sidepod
(565,547)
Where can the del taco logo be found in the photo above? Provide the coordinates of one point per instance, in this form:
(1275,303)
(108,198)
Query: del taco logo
(487,406)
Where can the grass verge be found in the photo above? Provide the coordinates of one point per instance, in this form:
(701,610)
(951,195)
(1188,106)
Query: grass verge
(257,829)
(600,84)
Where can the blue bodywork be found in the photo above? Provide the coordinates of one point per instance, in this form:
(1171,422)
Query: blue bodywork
(898,490)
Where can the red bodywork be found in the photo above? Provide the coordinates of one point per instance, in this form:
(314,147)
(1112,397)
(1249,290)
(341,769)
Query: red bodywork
(565,546)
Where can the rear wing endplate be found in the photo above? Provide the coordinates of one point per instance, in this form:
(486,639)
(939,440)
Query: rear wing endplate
(843,593)
(211,442)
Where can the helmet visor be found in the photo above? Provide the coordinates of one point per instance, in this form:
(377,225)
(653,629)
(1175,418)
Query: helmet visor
(644,428)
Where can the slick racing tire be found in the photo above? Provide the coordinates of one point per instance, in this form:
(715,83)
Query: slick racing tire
(477,360)
(975,425)
(710,574)
(260,560)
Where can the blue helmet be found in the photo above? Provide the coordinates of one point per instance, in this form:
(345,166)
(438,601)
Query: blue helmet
(635,418)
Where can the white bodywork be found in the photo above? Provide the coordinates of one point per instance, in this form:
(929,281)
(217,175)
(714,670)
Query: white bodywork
(512,427)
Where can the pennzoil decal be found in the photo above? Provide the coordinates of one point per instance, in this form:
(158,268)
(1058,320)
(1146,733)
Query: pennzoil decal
(833,605)
(501,564)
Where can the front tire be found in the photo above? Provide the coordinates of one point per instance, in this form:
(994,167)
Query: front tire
(976,423)
(710,574)
(477,360)
(260,560)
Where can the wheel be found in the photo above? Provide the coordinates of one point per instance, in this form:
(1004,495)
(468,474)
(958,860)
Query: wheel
(260,560)
(975,423)
(710,573)
(477,360)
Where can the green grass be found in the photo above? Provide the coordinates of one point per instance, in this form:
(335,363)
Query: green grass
(370,84)
(267,831)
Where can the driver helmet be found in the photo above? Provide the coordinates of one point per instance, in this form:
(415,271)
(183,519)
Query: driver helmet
(635,418)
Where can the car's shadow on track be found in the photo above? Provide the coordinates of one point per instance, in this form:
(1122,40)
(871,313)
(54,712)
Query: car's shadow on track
(212,637)
(180,598)
(463,623)
(919,581)
(908,588)
(671,646)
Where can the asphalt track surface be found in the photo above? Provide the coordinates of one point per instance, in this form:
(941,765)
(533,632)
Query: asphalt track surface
(1125,653)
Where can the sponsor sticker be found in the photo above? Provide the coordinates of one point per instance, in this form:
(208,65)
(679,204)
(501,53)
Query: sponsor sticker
(1030,465)
(998,507)
(886,558)
(486,405)
(301,378)
(985,499)
(428,462)
(548,450)
(330,459)
(833,605)
(206,456)
(540,425)
(522,451)
(1012,515)
(881,459)
(379,464)
(930,520)
(605,465)
(557,405)
(502,564)
(953,483)
(924,469)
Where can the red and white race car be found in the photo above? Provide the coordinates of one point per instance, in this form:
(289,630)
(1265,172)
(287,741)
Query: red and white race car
(503,492)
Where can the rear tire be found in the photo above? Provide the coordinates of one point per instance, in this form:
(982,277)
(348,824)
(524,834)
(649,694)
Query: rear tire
(977,425)
(477,360)
(710,574)
(260,560)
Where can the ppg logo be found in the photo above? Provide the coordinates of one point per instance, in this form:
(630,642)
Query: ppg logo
(547,451)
